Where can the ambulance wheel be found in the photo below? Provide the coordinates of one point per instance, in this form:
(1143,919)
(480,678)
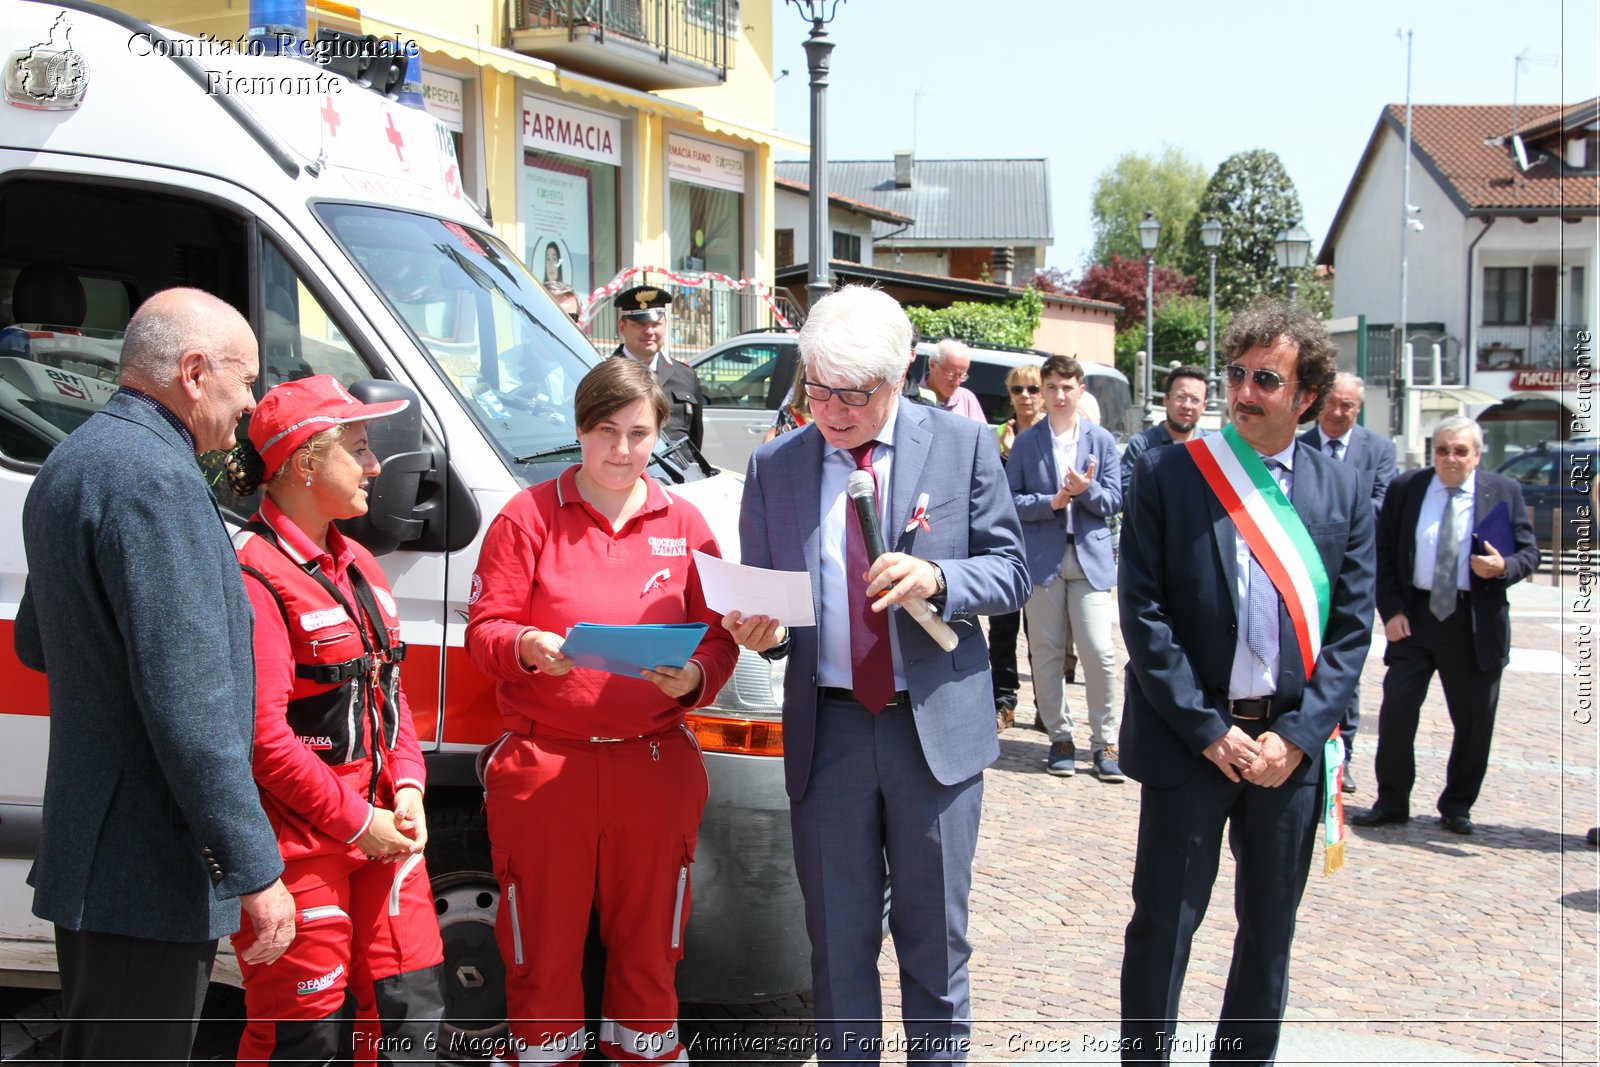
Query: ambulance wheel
(466,897)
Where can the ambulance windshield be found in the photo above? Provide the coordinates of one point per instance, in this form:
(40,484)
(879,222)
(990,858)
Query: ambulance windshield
(511,355)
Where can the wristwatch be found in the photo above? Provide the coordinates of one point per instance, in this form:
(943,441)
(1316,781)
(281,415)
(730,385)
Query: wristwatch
(938,574)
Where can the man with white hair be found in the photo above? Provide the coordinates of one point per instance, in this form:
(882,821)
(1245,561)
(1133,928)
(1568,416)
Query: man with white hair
(886,734)
(947,369)
(1451,540)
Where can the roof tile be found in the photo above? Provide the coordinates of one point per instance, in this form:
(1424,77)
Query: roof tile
(1485,176)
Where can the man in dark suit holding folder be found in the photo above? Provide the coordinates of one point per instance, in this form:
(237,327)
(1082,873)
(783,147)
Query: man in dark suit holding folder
(1442,597)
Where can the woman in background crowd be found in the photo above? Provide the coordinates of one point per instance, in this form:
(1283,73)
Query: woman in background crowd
(1027,408)
(795,411)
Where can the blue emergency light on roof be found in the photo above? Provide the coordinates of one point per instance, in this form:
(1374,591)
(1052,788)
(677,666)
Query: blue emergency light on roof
(278,27)
(411,88)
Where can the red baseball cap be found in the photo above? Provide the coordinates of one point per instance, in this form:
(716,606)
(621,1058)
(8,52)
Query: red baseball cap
(293,412)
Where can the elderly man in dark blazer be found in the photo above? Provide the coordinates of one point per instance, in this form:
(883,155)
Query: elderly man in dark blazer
(1231,694)
(153,829)
(886,734)
(1372,455)
(1442,596)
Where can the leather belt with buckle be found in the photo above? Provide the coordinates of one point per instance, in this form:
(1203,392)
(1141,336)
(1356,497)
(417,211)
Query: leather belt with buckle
(834,693)
(1252,709)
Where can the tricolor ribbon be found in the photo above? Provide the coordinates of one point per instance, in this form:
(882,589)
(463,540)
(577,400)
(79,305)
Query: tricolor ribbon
(616,284)
(1333,807)
(919,517)
(1278,538)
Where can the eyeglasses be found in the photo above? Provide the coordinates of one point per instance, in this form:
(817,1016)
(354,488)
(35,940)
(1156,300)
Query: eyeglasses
(950,372)
(1459,451)
(852,398)
(1268,381)
(1018,390)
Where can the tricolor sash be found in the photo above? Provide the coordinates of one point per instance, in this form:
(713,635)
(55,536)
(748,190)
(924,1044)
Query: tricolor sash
(1273,530)
(1282,545)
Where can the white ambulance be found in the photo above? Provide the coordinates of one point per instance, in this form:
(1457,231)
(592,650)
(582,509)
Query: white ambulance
(132,160)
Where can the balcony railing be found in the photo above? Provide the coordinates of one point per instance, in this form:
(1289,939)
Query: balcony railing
(1527,347)
(689,41)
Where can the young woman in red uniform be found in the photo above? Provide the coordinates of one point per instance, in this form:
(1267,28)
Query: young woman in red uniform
(335,754)
(594,794)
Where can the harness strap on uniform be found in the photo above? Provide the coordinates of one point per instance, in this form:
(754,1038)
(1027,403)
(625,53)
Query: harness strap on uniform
(361,668)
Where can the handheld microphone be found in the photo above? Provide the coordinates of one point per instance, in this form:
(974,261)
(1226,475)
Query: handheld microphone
(859,488)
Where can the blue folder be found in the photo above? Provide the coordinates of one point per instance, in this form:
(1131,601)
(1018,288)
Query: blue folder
(1495,528)
(627,650)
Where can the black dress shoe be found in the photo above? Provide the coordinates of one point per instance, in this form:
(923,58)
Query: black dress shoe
(1456,824)
(1379,817)
(1347,781)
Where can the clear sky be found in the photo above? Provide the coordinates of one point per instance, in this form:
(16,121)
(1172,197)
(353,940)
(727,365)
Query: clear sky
(1079,83)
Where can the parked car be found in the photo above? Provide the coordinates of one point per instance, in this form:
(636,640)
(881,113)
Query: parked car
(1556,476)
(746,378)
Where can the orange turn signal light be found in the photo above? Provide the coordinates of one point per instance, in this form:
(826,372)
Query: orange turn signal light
(743,737)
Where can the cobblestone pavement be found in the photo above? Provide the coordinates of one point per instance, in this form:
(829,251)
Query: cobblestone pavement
(1427,947)
(1481,947)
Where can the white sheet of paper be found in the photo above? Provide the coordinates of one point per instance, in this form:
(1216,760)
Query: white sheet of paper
(784,595)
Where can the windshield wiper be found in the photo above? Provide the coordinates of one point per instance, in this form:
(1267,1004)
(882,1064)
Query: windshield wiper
(546,453)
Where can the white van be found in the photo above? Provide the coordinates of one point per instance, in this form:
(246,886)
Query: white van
(132,160)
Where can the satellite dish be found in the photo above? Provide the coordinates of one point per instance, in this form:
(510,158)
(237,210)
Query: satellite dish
(1522,154)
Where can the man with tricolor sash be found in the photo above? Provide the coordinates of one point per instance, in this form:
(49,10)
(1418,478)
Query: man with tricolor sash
(1246,599)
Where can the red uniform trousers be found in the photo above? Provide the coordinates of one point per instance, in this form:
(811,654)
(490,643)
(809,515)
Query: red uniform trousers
(373,933)
(578,824)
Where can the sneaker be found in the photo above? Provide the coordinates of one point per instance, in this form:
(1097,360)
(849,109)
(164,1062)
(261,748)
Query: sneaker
(1004,718)
(1063,759)
(1105,765)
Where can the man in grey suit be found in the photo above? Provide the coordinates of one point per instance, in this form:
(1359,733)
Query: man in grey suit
(1337,434)
(153,831)
(886,735)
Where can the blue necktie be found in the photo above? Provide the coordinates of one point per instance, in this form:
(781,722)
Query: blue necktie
(1261,616)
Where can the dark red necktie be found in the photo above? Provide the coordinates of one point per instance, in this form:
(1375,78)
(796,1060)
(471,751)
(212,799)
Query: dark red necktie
(871,664)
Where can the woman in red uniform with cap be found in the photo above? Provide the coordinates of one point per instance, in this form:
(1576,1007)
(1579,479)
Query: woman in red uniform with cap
(335,754)
(595,792)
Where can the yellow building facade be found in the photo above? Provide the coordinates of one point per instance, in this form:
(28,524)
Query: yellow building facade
(598,135)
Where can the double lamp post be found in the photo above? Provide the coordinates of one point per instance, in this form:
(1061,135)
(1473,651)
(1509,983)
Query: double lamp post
(1292,249)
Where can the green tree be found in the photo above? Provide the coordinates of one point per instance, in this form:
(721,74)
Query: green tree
(1169,184)
(1010,322)
(1253,197)
(1180,321)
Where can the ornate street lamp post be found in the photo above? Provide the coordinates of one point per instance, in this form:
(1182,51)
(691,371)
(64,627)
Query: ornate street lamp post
(1293,248)
(819,53)
(1149,237)
(1211,237)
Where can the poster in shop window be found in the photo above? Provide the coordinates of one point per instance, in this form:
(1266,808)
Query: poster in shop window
(558,223)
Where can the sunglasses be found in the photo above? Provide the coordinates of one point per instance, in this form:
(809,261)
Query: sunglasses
(852,398)
(1018,390)
(1267,381)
